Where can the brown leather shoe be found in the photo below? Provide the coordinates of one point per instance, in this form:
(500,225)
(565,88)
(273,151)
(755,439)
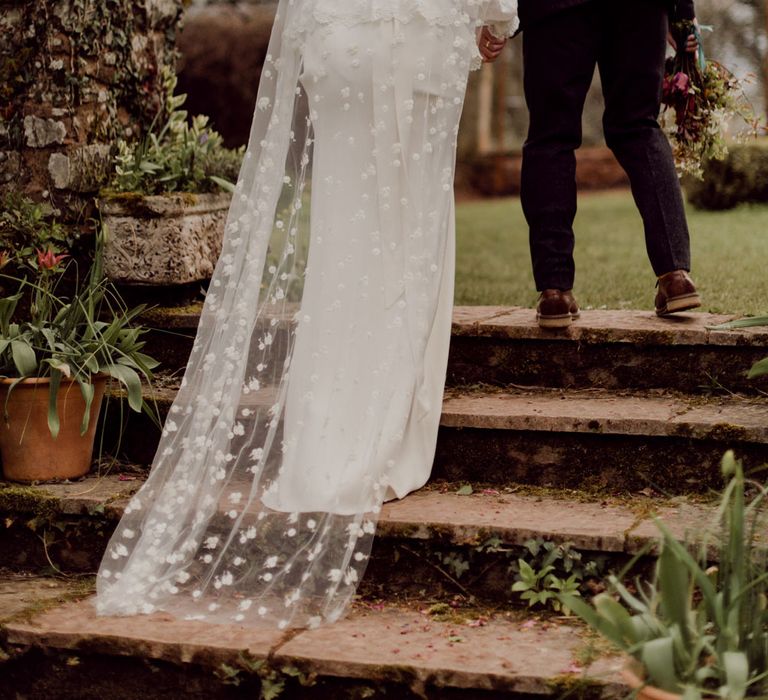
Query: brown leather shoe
(676,293)
(556,309)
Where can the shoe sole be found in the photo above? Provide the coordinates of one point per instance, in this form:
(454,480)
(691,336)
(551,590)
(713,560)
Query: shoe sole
(563,321)
(682,303)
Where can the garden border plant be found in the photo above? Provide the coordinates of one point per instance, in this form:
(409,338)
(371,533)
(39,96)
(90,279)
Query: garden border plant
(698,630)
(53,338)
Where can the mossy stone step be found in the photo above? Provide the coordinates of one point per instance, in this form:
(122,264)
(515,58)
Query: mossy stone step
(598,441)
(478,534)
(604,348)
(393,651)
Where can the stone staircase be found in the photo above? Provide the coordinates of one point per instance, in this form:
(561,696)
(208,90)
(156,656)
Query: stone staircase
(574,437)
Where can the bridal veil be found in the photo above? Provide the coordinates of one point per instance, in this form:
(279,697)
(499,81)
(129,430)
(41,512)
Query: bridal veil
(312,393)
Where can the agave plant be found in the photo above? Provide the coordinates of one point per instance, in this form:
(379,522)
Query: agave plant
(698,630)
(74,336)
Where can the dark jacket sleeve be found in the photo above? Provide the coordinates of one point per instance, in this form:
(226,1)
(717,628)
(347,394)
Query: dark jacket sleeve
(683,9)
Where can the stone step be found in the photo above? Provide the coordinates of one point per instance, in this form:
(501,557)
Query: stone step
(377,651)
(594,439)
(609,349)
(597,440)
(478,534)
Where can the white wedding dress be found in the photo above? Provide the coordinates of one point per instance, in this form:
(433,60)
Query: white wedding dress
(314,389)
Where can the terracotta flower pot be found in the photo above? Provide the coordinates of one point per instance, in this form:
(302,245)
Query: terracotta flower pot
(634,675)
(29,452)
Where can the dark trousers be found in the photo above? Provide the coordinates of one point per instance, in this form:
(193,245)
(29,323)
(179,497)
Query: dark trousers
(625,39)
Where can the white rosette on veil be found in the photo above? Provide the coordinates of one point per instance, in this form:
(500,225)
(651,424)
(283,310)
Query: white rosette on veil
(312,393)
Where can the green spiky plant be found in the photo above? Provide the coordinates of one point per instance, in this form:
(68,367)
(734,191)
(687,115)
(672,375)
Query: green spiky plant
(698,630)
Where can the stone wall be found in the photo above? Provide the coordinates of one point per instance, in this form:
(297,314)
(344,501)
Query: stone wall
(74,75)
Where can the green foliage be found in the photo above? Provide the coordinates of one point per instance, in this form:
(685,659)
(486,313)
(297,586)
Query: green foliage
(272,680)
(175,156)
(742,176)
(454,562)
(74,336)
(699,631)
(49,51)
(542,570)
(549,570)
(25,228)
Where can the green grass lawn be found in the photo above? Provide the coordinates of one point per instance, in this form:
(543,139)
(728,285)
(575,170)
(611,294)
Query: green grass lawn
(730,255)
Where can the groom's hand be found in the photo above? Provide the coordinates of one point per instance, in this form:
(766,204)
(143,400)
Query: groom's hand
(490,46)
(691,46)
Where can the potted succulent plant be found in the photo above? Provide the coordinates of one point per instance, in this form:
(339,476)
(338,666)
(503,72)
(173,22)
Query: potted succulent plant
(167,203)
(61,339)
(698,630)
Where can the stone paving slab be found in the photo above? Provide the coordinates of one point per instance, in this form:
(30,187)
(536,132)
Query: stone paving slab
(606,326)
(380,645)
(393,645)
(75,626)
(20,593)
(515,519)
(733,419)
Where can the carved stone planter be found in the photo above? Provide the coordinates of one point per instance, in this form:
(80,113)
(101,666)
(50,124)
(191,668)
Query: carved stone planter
(163,240)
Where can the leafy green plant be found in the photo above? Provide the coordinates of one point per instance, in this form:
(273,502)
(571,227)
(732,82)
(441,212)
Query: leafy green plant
(549,571)
(699,631)
(175,155)
(542,586)
(26,227)
(542,569)
(272,680)
(74,336)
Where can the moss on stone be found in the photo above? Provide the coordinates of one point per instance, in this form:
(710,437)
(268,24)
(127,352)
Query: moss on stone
(728,433)
(168,316)
(76,589)
(28,500)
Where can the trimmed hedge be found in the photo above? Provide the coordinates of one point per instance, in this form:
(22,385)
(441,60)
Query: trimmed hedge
(741,177)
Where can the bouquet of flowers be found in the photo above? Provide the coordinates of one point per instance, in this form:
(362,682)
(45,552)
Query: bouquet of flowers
(699,100)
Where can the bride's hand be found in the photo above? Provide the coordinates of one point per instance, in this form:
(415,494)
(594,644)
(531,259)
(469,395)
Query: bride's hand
(490,46)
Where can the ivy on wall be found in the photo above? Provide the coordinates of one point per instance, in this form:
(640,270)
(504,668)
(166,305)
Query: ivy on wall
(80,72)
